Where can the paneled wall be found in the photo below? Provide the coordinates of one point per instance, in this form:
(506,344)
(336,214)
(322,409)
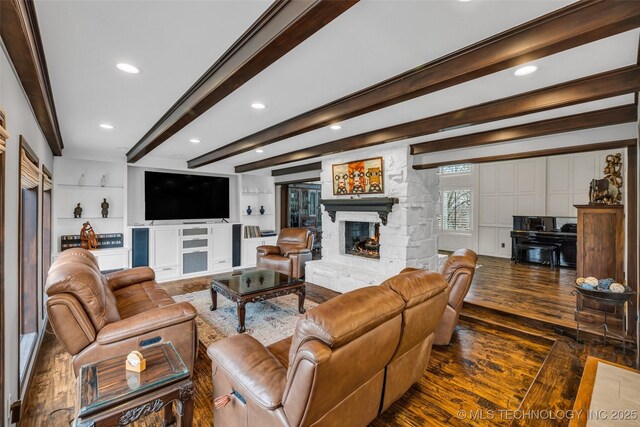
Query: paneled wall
(539,186)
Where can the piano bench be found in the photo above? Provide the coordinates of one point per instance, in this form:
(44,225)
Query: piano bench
(552,251)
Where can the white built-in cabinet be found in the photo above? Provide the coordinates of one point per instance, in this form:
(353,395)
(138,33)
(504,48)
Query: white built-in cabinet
(182,251)
(250,247)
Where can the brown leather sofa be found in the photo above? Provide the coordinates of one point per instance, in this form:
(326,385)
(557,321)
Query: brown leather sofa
(291,253)
(96,316)
(458,271)
(347,361)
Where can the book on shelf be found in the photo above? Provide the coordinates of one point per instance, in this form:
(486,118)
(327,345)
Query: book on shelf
(105,241)
(251,231)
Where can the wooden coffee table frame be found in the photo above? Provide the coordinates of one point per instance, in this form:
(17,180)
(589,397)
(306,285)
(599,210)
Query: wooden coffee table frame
(242,300)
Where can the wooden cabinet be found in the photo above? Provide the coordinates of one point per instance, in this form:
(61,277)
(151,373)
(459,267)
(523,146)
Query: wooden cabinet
(221,249)
(600,251)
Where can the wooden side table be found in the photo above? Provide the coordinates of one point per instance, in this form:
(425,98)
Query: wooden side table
(109,395)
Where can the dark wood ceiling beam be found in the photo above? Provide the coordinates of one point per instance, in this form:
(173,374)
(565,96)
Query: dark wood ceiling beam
(21,36)
(575,25)
(609,145)
(604,85)
(592,119)
(285,25)
(315,166)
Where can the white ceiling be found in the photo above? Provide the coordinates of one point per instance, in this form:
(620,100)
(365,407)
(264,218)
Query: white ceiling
(175,42)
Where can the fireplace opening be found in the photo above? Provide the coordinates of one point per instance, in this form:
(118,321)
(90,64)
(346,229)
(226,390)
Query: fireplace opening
(362,239)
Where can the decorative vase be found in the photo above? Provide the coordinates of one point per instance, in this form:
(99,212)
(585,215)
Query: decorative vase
(261,210)
(249,210)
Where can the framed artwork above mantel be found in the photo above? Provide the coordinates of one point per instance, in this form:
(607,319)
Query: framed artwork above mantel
(358,177)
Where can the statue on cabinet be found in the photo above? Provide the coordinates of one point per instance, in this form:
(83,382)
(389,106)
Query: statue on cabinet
(105,208)
(607,190)
(88,238)
(77,212)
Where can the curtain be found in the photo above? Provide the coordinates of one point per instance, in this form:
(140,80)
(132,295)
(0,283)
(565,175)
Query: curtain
(29,172)
(4,135)
(46,182)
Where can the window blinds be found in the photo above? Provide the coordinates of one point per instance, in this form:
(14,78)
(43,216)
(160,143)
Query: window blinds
(46,182)
(4,135)
(29,172)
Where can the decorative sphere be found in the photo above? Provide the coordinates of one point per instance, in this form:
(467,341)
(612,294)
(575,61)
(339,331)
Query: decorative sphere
(605,283)
(579,281)
(591,281)
(617,288)
(587,286)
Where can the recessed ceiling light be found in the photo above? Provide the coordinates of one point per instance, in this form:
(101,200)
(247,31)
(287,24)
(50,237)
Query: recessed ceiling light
(258,106)
(259,150)
(106,126)
(195,140)
(526,70)
(128,68)
(464,1)
(335,127)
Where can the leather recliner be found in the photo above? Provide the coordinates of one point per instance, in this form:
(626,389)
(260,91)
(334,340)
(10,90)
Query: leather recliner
(348,359)
(291,253)
(97,316)
(458,271)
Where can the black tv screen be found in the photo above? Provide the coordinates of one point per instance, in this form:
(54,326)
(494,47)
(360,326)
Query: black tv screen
(180,196)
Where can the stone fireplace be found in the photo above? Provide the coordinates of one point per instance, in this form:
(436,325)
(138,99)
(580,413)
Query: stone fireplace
(362,239)
(406,232)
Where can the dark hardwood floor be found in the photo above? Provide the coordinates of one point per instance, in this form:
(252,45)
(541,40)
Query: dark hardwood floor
(496,361)
(530,290)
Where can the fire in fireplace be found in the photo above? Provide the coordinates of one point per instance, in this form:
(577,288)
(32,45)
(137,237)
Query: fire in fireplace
(362,239)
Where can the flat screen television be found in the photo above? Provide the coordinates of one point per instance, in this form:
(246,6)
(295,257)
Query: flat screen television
(180,196)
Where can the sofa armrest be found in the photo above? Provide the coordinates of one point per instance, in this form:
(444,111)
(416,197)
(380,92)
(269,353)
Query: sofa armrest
(297,252)
(131,276)
(268,250)
(144,323)
(251,368)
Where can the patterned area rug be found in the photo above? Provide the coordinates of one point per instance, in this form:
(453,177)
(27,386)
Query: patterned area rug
(267,321)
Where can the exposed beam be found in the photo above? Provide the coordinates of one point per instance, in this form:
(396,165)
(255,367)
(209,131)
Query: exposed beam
(316,166)
(285,25)
(609,145)
(21,36)
(592,119)
(604,85)
(574,25)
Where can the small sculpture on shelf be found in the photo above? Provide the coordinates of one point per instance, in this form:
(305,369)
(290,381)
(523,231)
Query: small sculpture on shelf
(262,210)
(249,210)
(88,238)
(105,208)
(81,180)
(607,190)
(77,212)
(103,180)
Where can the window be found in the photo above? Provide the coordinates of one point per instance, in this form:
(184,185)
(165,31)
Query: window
(456,210)
(455,169)
(46,231)
(28,247)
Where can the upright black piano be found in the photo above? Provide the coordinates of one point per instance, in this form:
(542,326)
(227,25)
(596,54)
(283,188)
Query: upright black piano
(561,231)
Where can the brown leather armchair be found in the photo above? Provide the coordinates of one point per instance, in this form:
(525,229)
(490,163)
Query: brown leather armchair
(332,371)
(291,253)
(458,271)
(97,316)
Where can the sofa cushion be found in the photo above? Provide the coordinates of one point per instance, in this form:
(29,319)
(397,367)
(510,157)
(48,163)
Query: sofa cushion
(280,350)
(416,286)
(346,317)
(140,298)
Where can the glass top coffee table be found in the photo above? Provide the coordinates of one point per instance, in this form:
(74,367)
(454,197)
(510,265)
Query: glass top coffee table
(243,287)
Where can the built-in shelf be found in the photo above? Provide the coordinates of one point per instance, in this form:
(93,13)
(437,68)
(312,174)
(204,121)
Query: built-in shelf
(257,193)
(75,186)
(257,216)
(92,217)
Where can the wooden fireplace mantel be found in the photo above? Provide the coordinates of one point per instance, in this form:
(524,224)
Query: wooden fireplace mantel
(381,205)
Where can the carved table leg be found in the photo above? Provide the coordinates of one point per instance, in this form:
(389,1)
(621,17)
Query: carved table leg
(214,300)
(301,295)
(241,313)
(185,406)
(169,417)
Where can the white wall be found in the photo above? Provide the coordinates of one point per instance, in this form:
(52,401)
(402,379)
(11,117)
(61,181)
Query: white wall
(20,121)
